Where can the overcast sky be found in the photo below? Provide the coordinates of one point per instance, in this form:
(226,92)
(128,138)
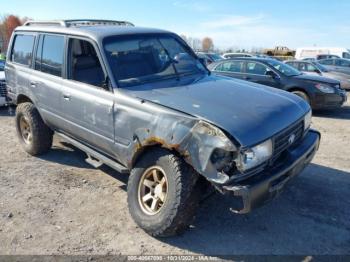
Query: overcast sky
(231,23)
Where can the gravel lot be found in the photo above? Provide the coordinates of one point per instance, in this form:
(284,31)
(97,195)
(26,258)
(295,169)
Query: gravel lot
(57,204)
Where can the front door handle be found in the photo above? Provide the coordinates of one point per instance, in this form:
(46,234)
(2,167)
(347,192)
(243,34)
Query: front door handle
(246,78)
(33,84)
(66,97)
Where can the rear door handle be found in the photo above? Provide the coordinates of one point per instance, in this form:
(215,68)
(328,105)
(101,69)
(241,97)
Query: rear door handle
(66,97)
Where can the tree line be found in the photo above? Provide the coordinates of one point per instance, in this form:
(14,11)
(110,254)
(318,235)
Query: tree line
(206,44)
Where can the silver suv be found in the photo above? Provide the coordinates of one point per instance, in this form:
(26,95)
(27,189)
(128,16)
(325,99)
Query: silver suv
(140,101)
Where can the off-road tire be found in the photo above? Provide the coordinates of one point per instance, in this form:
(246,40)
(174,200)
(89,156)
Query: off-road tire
(302,95)
(41,134)
(183,196)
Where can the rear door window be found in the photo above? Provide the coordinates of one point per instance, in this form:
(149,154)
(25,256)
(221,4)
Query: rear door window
(49,55)
(326,62)
(22,51)
(39,51)
(232,66)
(257,68)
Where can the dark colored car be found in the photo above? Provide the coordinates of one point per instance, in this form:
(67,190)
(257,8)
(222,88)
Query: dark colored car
(337,64)
(315,68)
(209,58)
(320,92)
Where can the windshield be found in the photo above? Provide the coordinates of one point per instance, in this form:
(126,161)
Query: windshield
(2,65)
(284,68)
(137,59)
(321,67)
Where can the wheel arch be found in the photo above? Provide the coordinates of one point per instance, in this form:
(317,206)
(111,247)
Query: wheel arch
(295,88)
(21,98)
(142,150)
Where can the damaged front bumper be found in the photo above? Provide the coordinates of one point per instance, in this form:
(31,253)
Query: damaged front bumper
(263,187)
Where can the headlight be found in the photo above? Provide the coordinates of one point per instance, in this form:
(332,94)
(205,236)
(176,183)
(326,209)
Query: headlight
(256,155)
(325,88)
(307,120)
(221,158)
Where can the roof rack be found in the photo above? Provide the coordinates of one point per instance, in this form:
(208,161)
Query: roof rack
(46,23)
(78,22)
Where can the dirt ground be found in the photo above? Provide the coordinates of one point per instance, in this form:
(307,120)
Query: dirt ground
(58,204)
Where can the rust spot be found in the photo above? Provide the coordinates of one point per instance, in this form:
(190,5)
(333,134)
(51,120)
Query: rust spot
(158,141)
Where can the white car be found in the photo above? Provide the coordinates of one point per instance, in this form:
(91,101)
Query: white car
(2,84)
(318,53)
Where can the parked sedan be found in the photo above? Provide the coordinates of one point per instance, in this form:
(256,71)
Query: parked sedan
(315,68)
(337,64)
(319,91)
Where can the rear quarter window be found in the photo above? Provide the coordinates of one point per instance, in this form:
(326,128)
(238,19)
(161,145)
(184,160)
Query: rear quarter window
(22,51)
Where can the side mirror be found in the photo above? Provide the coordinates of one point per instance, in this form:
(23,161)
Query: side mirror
(317,71)
(272,74)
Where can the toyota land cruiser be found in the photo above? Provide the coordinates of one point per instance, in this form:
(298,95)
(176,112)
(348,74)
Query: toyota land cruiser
(140,101)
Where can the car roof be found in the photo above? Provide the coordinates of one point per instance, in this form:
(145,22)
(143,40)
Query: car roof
(299,61)
(96,32)
(255,59)
(344,59)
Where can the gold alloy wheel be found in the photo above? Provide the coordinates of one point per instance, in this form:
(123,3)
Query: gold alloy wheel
(152,190)
(25,129)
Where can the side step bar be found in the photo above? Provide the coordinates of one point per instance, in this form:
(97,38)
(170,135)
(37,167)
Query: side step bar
(92,153)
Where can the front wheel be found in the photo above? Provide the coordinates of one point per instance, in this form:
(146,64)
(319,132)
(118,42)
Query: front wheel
(162,193)
(302,95)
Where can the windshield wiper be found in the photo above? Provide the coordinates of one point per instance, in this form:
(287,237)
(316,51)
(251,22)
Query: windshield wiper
(136,81)
(171,60)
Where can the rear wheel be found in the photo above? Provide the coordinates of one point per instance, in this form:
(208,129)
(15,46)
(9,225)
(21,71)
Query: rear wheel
(302,94)
(34,135)
(162,193)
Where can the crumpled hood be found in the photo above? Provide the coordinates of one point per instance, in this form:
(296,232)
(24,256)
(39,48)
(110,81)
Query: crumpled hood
(249,112)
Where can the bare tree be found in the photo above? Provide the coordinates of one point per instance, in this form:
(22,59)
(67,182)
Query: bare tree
(8,24)
(207,44)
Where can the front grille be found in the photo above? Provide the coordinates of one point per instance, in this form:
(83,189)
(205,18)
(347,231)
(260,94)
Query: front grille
(3,91)
(281,141)
(280,145)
